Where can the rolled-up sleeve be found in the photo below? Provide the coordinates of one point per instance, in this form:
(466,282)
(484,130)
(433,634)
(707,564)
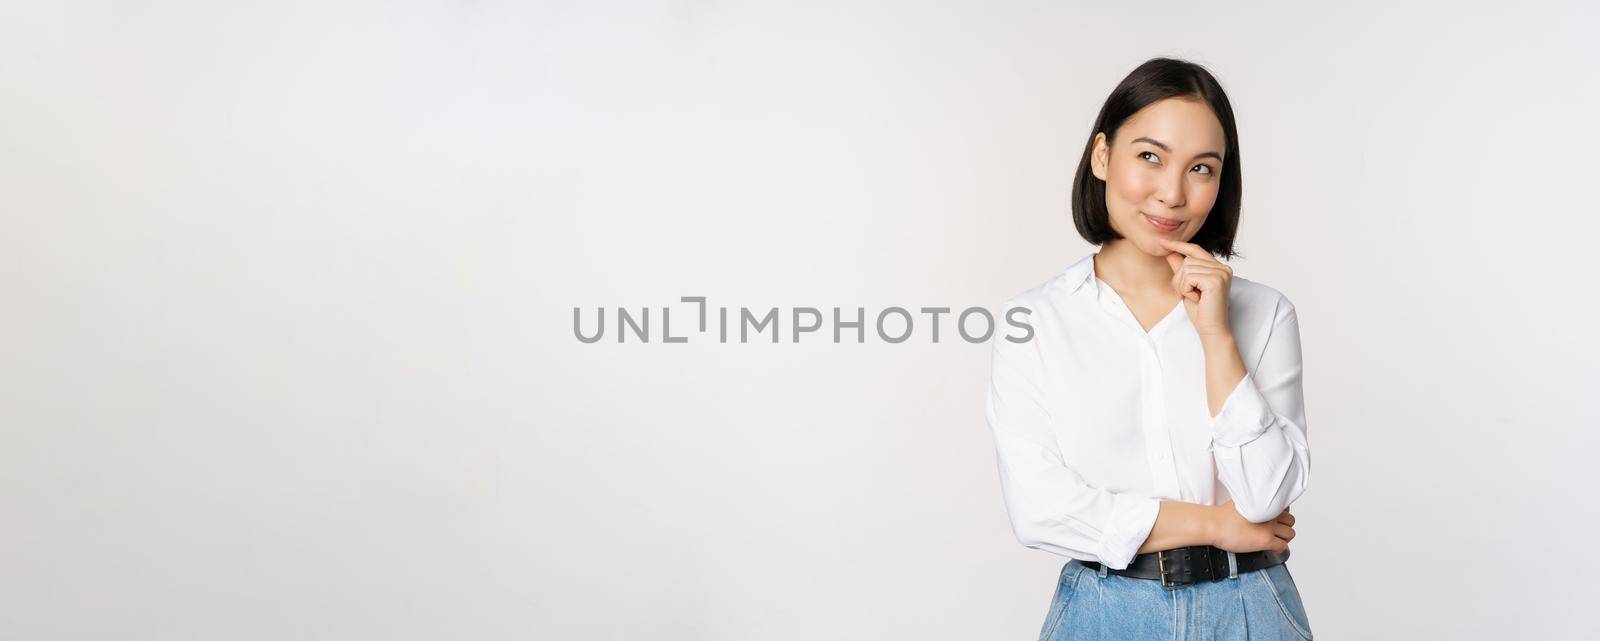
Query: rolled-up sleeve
(1050,506)
(1258,439)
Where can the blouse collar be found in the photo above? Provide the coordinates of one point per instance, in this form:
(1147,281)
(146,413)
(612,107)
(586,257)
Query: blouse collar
(1081,273)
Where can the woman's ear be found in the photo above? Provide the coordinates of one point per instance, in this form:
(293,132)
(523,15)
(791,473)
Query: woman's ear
(1100,156)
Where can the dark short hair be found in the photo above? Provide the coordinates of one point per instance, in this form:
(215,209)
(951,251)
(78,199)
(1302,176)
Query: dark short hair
(1158,79)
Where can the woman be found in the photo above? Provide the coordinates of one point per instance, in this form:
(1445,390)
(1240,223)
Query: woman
(1153,428)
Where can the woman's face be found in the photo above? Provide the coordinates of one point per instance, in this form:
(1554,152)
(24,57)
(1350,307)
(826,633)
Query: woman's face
(1162,172)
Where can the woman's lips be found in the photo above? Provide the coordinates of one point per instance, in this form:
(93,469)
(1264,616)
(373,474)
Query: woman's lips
(1163,224)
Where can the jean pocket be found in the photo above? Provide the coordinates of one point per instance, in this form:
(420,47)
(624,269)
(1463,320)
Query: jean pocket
(1066,585)
(1284,591)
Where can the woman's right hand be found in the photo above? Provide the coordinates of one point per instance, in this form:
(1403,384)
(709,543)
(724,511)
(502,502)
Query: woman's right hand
(1232,532)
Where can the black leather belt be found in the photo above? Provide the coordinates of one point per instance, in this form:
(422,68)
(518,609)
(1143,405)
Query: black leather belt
(1183,567)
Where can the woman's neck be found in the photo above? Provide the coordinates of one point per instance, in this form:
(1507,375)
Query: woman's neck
(1130,270)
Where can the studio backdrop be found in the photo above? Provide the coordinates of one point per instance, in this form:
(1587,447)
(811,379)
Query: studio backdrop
(427,320)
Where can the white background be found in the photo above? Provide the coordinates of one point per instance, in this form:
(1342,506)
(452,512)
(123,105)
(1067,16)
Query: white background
(288,287)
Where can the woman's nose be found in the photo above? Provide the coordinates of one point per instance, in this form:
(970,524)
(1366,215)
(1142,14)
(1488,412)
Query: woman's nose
(1170,191)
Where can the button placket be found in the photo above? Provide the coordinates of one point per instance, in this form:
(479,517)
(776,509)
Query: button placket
(1153,390)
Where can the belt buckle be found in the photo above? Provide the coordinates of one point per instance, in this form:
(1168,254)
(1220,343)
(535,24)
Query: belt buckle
(1161,562)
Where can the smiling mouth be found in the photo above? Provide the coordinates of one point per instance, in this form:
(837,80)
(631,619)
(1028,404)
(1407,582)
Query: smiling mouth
(1162,223)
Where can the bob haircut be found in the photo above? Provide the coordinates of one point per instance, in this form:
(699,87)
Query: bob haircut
(1159,79)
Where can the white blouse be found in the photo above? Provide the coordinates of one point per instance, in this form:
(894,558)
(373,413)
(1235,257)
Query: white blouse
(1095,421)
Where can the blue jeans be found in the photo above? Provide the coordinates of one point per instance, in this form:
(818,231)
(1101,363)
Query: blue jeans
(1261,604)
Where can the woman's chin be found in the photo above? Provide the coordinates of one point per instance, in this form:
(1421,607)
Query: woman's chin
(1152,245)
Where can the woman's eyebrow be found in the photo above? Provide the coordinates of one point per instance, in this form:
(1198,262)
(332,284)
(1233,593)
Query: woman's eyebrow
(1163,147)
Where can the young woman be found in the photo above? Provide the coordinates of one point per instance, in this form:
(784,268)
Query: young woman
(1153,428)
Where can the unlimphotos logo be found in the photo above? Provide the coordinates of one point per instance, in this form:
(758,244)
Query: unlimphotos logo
(893,324)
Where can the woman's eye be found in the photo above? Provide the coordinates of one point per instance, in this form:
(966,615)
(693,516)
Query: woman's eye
(1204,169)
(1152,156)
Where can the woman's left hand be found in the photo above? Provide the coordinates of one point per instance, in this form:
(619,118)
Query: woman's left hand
(1203,283)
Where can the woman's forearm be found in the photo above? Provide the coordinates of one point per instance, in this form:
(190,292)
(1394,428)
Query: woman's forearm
(1181,524)
(1224,369)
